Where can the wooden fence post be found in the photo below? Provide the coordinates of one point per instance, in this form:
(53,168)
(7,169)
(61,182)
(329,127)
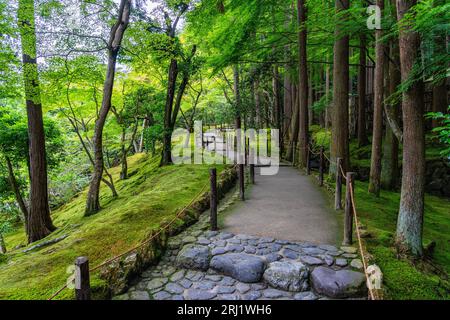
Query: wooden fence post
(82,282)
(321,166)
(294,151)
(348,216)
(241,182)
(213,198)
(338,192)
(308,158)
(252,173)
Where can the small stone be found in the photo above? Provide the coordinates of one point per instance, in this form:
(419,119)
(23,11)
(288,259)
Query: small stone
(242,287)
(250,250)
(357,264)
(194,294)
(225,235)
(266,240)
(349,249)
(228,297)
(234,248)
(243,267)
(225,289)
(328,260)
(258,286)
(156,283)
(273,257)
(204,285)
(174,288)
(217,251)
(294,247)
(189,239)
(139,295)
(341,262)
(234,241)
(185,283)
(287,275)
(328,247)
(213,277)
(307,295)
(338,284)
(313,251)
(194,275)
(350,255)
(210,234)
(173,244)
(288,253)
(252,295)
(194,257)
(177,297)
(203,241)
(312,261)
(161,295)
(177,276)
(227,281)
(168,271)
(274,293)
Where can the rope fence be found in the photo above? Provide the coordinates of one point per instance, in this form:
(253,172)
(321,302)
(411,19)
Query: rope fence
(351,213)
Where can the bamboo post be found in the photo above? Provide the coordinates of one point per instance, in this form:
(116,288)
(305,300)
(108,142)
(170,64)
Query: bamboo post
(321,166)
(338,193)
(308,158)
(348,216)
(241,182)
(213,198)
(82,282)
(252,173)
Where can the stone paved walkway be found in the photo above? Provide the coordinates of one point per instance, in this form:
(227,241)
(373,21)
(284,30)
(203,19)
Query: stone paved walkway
(203,265)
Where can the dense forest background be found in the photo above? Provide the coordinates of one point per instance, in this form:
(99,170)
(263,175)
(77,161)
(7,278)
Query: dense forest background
(86,84)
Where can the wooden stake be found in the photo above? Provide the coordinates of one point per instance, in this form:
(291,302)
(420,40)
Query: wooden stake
(82,282)
(338,192)
(348,216)
(213,198)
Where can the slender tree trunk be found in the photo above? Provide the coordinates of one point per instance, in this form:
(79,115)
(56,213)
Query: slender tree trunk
(257,104)
(339,133)
(141,140)
(294,125)
(16,190)
(327,94)
(375,161)
(124,163)
(362,103)
(167,134)
(303,85)
(310,100)
(410,217)
(115,40)
(39,221)
(2,244)
(390,170)
(440,103)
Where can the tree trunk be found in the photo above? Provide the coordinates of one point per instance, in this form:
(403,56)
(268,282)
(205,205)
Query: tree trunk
(16,190)
(141,140)
(410,217)
(327,94)
(440,103)
(167,134)
(124,163)
(293,125)
(115,40)
(375,161)
(339,133)
(39,221)
(390,170)
(303,85)
(2,244)
(362,103)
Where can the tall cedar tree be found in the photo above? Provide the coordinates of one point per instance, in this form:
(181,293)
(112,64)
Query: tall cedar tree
(39,223)
(410,217)
(339,133)
(377,131)
(362,101)
(114,42)
(303,84)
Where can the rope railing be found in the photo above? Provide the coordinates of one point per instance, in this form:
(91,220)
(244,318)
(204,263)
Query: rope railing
(340,172)
(165,227)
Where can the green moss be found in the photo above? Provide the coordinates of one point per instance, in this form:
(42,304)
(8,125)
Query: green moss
(402,279)
(149,197)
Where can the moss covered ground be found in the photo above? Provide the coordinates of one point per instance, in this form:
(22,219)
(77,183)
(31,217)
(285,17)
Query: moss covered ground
(149,197)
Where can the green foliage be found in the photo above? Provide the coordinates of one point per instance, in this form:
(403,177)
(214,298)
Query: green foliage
(443,131)
(150,197)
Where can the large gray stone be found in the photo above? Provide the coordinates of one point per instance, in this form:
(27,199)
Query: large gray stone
(241,266)
(194,257)
(287,275)
(338,284)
